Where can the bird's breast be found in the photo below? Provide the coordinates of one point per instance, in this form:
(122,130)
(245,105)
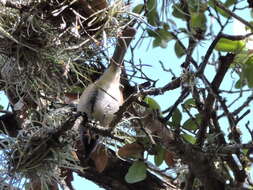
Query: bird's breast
(107,104)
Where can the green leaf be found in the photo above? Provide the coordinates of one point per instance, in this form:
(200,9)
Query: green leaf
(152,33)
(228,3)
(137,172)
(176,117)
(166,26)
(248,28)
(189,138)
(190,103)
(157,42)
(196,6)
(249,61)
(248,74)
(179,50)
(162,37)
(159,157)
(190,124)
(153,18)
(178,11)
(151,4)
(241,58)
(76,89)
(240,83)
(152,103)
(198,21)
(138,8)
(164,43)
(245,151)
(1,107)
(227,45)
(219,10)
(245,60)
(164,34)
(171,124)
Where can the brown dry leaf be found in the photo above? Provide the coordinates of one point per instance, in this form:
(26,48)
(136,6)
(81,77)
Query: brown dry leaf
(74,155)
(169,158)
(70,98)
(99,4)
(100,158)
(130,150)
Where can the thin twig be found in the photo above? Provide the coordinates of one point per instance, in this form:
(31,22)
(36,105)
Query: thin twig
(220,5)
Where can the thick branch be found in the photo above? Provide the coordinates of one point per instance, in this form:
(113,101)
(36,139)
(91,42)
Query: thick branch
(113,178)
(224,65)
(200,165)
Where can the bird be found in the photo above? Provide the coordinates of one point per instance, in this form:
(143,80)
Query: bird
(101,100)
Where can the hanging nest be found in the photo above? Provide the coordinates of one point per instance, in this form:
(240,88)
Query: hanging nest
(49,48)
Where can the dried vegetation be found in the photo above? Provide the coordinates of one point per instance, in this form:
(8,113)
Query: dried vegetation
(49,51)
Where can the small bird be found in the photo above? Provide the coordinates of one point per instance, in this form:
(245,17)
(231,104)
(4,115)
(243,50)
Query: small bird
(102,99)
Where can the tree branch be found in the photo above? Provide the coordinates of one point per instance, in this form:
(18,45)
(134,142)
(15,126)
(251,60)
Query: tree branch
(213,89)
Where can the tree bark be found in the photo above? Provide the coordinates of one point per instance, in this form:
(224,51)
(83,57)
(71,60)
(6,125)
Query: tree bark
(112,178)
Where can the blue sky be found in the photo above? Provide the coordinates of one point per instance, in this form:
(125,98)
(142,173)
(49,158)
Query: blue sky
(167,56)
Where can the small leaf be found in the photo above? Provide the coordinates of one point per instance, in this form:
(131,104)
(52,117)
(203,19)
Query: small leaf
(1,107)
(246,76)
(190,103)
(211,3)
(248,28)
(160,42)
(153,18)
(240,83)
(137,172)
(178,11)
(159,157)
(228,3)
(176,116)
(179,50)
(198,21)
(241,58)
(164,43)
(248,70)
(152,33)
(189,138)
(169,158)
(191,124)
(131,150)
(197,6)
(164,34)
(151,4)
(157,42)
(227,45)
(152,103)
(138,8)
(76,90)
(100,158)
(171,124)
(245,151)
(166,26)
